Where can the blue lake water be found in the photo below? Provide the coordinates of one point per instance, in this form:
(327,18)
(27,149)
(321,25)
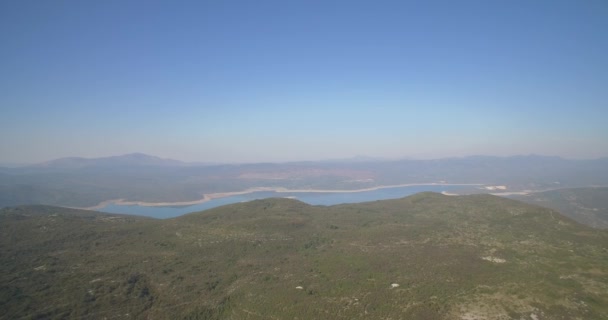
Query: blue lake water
(313,198)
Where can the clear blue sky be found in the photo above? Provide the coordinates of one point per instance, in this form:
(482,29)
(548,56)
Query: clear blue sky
(283,80)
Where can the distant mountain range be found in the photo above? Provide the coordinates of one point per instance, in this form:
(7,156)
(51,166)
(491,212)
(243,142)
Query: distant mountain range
(132,159)
(141,159)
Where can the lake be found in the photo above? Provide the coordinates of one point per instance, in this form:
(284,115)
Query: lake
(313,198)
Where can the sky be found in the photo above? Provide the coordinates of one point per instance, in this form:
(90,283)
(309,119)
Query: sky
(249,81)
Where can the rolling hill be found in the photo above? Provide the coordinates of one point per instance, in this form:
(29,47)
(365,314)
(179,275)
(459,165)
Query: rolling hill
(586,205)
(426,256)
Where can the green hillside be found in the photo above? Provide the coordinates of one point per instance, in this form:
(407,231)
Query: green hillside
(586,205)
(427,256)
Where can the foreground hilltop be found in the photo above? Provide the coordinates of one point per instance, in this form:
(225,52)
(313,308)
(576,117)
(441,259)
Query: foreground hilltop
(426,256)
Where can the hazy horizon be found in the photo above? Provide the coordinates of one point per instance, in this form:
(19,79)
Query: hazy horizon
(345,159)
(271,81)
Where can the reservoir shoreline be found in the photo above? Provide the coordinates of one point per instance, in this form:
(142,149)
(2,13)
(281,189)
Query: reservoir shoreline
(212,196)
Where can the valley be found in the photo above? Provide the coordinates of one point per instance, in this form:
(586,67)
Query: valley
(148,180)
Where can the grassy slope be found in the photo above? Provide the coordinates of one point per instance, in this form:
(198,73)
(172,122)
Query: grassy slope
(586,205)
(244,261)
